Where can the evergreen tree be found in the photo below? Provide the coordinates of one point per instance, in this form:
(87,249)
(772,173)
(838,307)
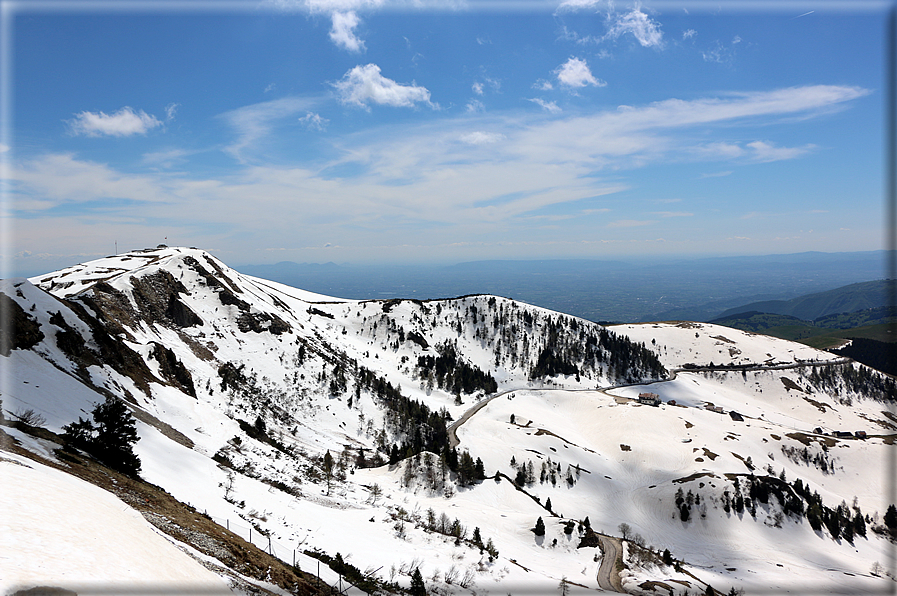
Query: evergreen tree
(859,525)
(110,437)
(540,527)
(891,518)
(548,503)
(417,584)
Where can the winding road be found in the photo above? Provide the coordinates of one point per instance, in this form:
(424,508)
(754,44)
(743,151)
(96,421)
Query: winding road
(608,576)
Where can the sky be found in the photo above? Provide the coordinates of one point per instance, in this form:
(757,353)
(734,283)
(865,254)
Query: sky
(440,131)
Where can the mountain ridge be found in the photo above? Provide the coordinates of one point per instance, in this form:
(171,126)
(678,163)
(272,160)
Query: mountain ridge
(283,379)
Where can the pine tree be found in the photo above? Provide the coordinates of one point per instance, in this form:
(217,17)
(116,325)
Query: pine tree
(891,518)
(417,584)
(540,527)
(110,437)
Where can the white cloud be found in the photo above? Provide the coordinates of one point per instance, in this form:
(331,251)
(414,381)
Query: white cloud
(326,6)
(475,106)
(4,148)
(548,106)
(165,158)
(543,85)
(629,223)
(689,33)
(736,39)
(575,73)
(666,214)
(343,31)
(765,152)
(314,121)
(256,121)
(364,84)
(456,185)
(123,123)
(718,53)
(716,174)
(270,87)
(477,88)
(574,5)
(170,110)
(482,138)
(640,25)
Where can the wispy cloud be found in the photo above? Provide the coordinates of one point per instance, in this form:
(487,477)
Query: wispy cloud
(765,152)
(716,174)
(548,106)
(639,24)
(482,138)
(314,121)
(689,33)
(252,123)
(667,214)
(575,74)
(364,85)
(123,123)
(630,223)
(434,182)
(475,106)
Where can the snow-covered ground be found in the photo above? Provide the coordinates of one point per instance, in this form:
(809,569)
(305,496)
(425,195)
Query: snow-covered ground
(625,462)
(63,532)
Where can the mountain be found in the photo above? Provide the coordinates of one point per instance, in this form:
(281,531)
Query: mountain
(846,299)
(631,290)
(424,439)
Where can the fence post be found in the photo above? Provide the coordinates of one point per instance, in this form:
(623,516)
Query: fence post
(250,534)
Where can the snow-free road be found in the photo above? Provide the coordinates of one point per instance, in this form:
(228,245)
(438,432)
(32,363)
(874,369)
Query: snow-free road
(608,577)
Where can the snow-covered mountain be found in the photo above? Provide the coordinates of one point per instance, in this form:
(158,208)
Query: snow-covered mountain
(432,435)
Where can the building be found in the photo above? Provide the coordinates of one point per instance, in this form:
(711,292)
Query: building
(649,399)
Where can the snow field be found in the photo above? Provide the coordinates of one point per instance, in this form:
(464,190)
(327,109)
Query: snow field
(76,534)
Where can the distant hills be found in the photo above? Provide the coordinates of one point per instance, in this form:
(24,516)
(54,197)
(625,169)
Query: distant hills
(626,289)
(846,299)
(855,319)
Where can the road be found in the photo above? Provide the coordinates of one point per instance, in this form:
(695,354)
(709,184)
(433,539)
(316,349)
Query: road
(608,576)
(453,429)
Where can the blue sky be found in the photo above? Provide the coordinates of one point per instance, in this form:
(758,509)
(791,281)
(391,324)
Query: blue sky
(441,131)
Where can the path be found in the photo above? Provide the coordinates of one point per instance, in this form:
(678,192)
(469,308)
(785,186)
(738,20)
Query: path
(608,576)
(453,429)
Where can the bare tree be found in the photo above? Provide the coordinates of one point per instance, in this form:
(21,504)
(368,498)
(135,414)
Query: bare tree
(625,530)
(29,417)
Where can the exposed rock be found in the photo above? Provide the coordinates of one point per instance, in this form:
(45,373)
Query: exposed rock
(173,370)
(156,296)
(21,331)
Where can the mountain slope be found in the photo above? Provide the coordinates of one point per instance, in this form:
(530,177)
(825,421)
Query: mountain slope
(322,424)
(847,299)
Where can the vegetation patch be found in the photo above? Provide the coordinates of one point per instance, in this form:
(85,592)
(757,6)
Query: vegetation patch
(694,476)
